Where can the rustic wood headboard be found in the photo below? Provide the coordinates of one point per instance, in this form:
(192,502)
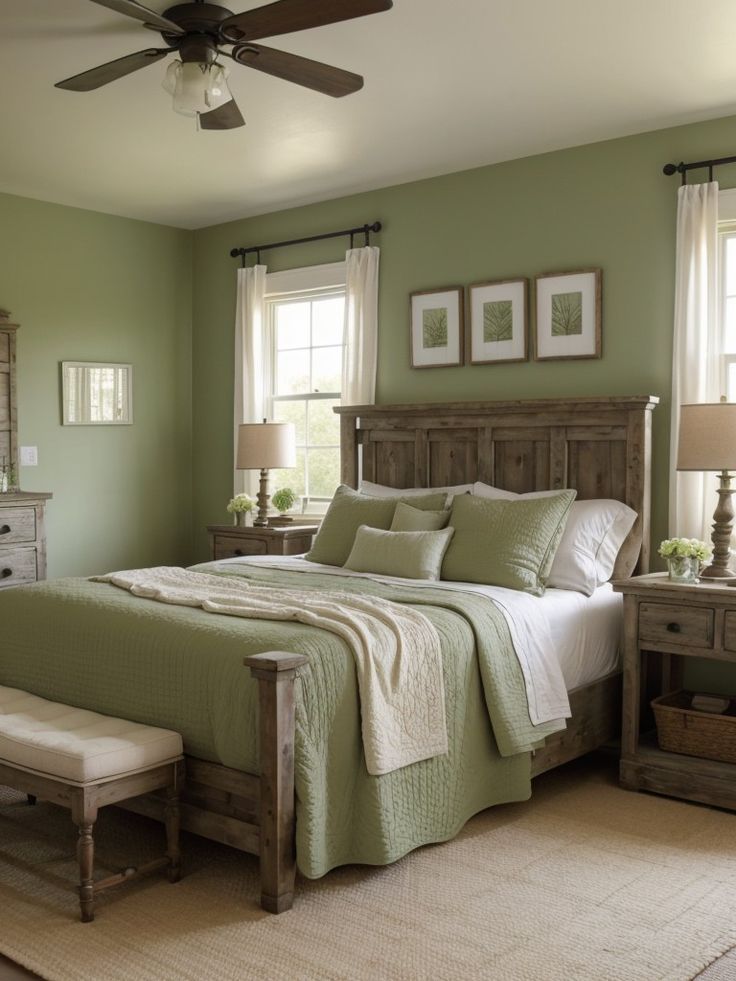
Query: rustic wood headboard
(599,446)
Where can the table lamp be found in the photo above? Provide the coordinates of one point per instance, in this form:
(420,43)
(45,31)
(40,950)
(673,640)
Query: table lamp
(265,446)
(708,442)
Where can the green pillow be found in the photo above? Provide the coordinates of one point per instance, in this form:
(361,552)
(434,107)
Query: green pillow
(408,554)
(348,511)
(408,518)
(506,543)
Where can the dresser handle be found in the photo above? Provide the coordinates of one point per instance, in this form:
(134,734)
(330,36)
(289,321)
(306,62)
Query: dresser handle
(6,573)
(5,530)
(674,628)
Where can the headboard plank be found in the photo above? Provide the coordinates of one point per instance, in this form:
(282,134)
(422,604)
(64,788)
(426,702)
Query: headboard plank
(599,446)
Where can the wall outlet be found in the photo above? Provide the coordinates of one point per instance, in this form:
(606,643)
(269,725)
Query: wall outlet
(29,456)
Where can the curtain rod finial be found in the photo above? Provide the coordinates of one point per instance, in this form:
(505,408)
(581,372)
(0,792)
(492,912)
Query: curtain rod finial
(670,169)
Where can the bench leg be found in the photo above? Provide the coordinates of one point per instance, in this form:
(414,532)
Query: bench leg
(84,816)
(171,819)
(31,799)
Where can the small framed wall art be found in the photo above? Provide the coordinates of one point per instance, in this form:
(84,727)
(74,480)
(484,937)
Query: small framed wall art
(436,323)
(568,315)
(498,321)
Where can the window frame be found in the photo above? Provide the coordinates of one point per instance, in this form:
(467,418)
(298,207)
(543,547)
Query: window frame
(295,286)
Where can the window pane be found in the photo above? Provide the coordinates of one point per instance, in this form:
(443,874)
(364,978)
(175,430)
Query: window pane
(731,265)
(327,320)
(292,325)
(324,472)
(327,369)
(729,336)
(293,477)
(292,372)
(293,412)
(731,380)
(324,425)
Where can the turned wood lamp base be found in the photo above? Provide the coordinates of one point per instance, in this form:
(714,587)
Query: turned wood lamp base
(722,529)
(263,497)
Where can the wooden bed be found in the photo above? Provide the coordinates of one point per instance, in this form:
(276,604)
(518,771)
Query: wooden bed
(599,446)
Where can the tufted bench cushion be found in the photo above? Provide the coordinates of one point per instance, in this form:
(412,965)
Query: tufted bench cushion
(75,745)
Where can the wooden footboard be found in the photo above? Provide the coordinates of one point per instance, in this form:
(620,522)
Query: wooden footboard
(253,814)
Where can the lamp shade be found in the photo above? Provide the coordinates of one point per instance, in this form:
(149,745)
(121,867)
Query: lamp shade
(707,437)
(266,446)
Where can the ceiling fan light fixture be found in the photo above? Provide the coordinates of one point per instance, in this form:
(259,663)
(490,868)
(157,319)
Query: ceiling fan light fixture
(196,87)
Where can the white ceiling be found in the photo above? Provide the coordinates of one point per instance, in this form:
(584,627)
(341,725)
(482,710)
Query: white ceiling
(450,84)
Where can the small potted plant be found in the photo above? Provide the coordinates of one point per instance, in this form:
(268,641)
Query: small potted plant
(684,556)
(240,506)
(283,500)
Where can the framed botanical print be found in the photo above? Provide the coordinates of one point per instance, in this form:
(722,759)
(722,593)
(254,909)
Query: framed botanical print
(568,323)
(498,321)
(436,324)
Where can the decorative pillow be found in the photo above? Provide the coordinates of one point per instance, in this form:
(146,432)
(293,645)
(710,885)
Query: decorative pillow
(407,554)
(506,543)
(348,511)
(380,490)
(407,518)
(595,531)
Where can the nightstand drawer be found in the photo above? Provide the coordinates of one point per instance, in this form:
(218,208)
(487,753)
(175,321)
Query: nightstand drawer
(230,547)
(17,566)
(17,525)
(675,626)
(729,631)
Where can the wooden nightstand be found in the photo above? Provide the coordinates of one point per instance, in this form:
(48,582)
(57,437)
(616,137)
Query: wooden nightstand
(229,541)
(663,623)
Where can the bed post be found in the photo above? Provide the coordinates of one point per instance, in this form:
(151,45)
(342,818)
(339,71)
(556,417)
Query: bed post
(276,672)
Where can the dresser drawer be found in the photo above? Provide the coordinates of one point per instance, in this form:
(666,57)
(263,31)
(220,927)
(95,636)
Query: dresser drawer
(675,626)
(17,565)
(230,547)
(17,525)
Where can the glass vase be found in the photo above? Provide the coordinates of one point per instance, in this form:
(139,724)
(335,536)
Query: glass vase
(241,518)
(683,568)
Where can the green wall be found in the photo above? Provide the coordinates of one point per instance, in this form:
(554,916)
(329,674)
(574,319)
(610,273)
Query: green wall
(92,287)
(605,204)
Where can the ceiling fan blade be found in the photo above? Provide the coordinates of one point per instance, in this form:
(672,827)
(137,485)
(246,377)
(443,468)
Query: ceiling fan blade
(287,16)
(96,77)
(226,117)
(303,71)
(132,9)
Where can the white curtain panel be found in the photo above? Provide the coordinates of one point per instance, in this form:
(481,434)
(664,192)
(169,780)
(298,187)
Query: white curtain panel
(360,354)
(250,362)
(695,364)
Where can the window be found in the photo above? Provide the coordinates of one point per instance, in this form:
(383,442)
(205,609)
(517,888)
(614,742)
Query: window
(304,333)
(727,311)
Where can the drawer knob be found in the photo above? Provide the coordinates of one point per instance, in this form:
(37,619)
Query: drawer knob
(674,628)
(6,573)
(5,530)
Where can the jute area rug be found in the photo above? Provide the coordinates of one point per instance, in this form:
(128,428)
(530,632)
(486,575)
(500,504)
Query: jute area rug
(585,882)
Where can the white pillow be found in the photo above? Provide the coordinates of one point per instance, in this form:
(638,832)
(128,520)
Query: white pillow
(380,490)
(594,533)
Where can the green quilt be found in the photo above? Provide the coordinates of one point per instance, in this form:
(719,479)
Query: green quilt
(96,646)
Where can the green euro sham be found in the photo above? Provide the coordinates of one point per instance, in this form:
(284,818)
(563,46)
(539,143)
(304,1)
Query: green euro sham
(506,543)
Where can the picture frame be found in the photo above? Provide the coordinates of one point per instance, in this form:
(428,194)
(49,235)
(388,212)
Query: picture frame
(568,315)
(437,328)
(499,321)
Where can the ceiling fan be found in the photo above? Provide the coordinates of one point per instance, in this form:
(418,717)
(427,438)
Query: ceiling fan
(199,30)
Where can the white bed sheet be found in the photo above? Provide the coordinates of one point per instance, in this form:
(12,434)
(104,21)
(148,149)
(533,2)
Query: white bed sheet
(562,639)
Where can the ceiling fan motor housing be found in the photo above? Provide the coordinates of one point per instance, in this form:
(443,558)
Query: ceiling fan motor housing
(196,18)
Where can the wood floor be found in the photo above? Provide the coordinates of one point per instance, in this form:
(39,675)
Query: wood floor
(13,972)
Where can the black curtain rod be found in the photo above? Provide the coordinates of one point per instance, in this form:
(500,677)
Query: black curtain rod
(352,232)
(682,168)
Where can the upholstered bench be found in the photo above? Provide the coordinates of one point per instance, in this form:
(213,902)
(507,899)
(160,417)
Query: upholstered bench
(83,761)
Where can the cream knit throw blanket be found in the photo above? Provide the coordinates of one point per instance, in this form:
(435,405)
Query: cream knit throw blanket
(396,650)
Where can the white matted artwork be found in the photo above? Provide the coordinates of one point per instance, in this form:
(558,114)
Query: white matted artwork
(568,315)
(498,321)
(436,324)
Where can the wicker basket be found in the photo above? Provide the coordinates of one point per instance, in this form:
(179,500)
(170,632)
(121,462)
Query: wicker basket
(682,729)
